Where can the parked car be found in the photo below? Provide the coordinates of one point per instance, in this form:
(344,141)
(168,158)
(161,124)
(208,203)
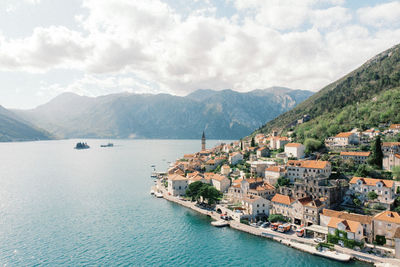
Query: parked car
(254,225)
(319,240)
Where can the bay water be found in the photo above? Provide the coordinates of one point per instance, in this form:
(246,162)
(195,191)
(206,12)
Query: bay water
(61,206)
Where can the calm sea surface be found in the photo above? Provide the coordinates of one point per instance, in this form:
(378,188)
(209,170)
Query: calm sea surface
(60,206)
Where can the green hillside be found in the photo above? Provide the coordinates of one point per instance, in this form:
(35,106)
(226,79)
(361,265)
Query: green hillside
(364,98)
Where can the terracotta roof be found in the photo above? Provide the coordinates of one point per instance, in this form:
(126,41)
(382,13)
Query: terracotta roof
(265,186)
(313,164)
(208,175)
(237,185)
(219,177)
(344,135)
(388,216)
(237,181)
(355,153)
(372,181)
(234,154)
(275,169)
(225,167)
(365,219)
(397,156)
(293,145)
(262,148)
(351,226)
(176,177)
(391,144)
(251,198)
(254,180)
(315,203)
(305,200)
(278,198)
(196,178)
(395,126)
(210,161)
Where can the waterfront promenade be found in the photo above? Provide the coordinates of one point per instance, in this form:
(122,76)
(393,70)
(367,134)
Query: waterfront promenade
(304,244)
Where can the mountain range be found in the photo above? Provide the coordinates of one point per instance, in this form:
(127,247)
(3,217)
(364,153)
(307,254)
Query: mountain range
(13,128)
(225,114)
(367,97)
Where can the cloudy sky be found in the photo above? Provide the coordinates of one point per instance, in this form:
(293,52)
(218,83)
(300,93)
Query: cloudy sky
(97,47)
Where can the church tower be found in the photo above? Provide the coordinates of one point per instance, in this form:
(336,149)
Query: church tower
(203,142)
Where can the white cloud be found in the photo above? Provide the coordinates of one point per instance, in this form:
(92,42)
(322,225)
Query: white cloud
(148,46)
(382,15)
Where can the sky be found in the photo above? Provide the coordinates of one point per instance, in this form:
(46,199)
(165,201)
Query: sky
(98,47)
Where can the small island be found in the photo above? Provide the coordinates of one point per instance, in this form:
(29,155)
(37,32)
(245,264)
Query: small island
(82,145)
(108,145)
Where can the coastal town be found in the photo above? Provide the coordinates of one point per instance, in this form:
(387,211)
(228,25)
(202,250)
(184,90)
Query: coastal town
(340,200)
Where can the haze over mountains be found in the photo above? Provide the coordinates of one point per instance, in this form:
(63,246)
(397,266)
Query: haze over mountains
(222,114)
(13,128)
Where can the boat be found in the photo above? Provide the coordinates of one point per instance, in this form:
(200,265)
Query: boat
(152,192)
(82,145)
(108,145)
(220,223)
(153,175)
(158,194)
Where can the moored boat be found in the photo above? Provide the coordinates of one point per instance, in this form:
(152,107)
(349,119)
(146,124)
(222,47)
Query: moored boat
(158,194)
(220,223)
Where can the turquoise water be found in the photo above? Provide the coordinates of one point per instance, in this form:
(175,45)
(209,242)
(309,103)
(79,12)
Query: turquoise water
(60,206)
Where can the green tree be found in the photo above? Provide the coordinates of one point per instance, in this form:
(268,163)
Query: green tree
(372,195)
(276,218)
(282,181)
(210,193)
(396,172)
(362,171)
(312,145)
(193,190)
(253,143)
(357,202)
(376,153)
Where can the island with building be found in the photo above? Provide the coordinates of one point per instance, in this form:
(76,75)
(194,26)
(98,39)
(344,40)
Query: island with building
(329,202)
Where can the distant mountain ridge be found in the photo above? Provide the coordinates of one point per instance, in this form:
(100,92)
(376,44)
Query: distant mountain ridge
(225,114)
(13,128)
(364,98)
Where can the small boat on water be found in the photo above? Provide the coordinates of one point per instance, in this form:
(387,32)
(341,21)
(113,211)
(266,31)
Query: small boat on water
(108,145)
(158,195)
(220,223)
(152,192)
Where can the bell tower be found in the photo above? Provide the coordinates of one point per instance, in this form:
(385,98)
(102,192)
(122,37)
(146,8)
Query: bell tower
(203,142)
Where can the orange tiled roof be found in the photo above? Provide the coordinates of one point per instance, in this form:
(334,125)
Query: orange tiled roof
(275,169)
(278,198)
(254,180)
(372,181)
(313,164)
(262,148)
(218,177)
(365,219)
(351,226)
(397,156)
(176,177)
(293,145)
(391,144)
(395,126)
(388,216)
(344,135)
(355,153)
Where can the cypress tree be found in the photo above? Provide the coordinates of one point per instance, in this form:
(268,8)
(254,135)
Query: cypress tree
(377,154)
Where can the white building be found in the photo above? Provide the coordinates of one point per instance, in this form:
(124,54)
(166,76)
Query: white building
(295,150)
(342,140)
(177,185)
(255,206)
(220,182)
(354,230)
(235,158)
(385,189)
(277,142)
(273,173)
(300,169)
(358,157)
(391,155)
